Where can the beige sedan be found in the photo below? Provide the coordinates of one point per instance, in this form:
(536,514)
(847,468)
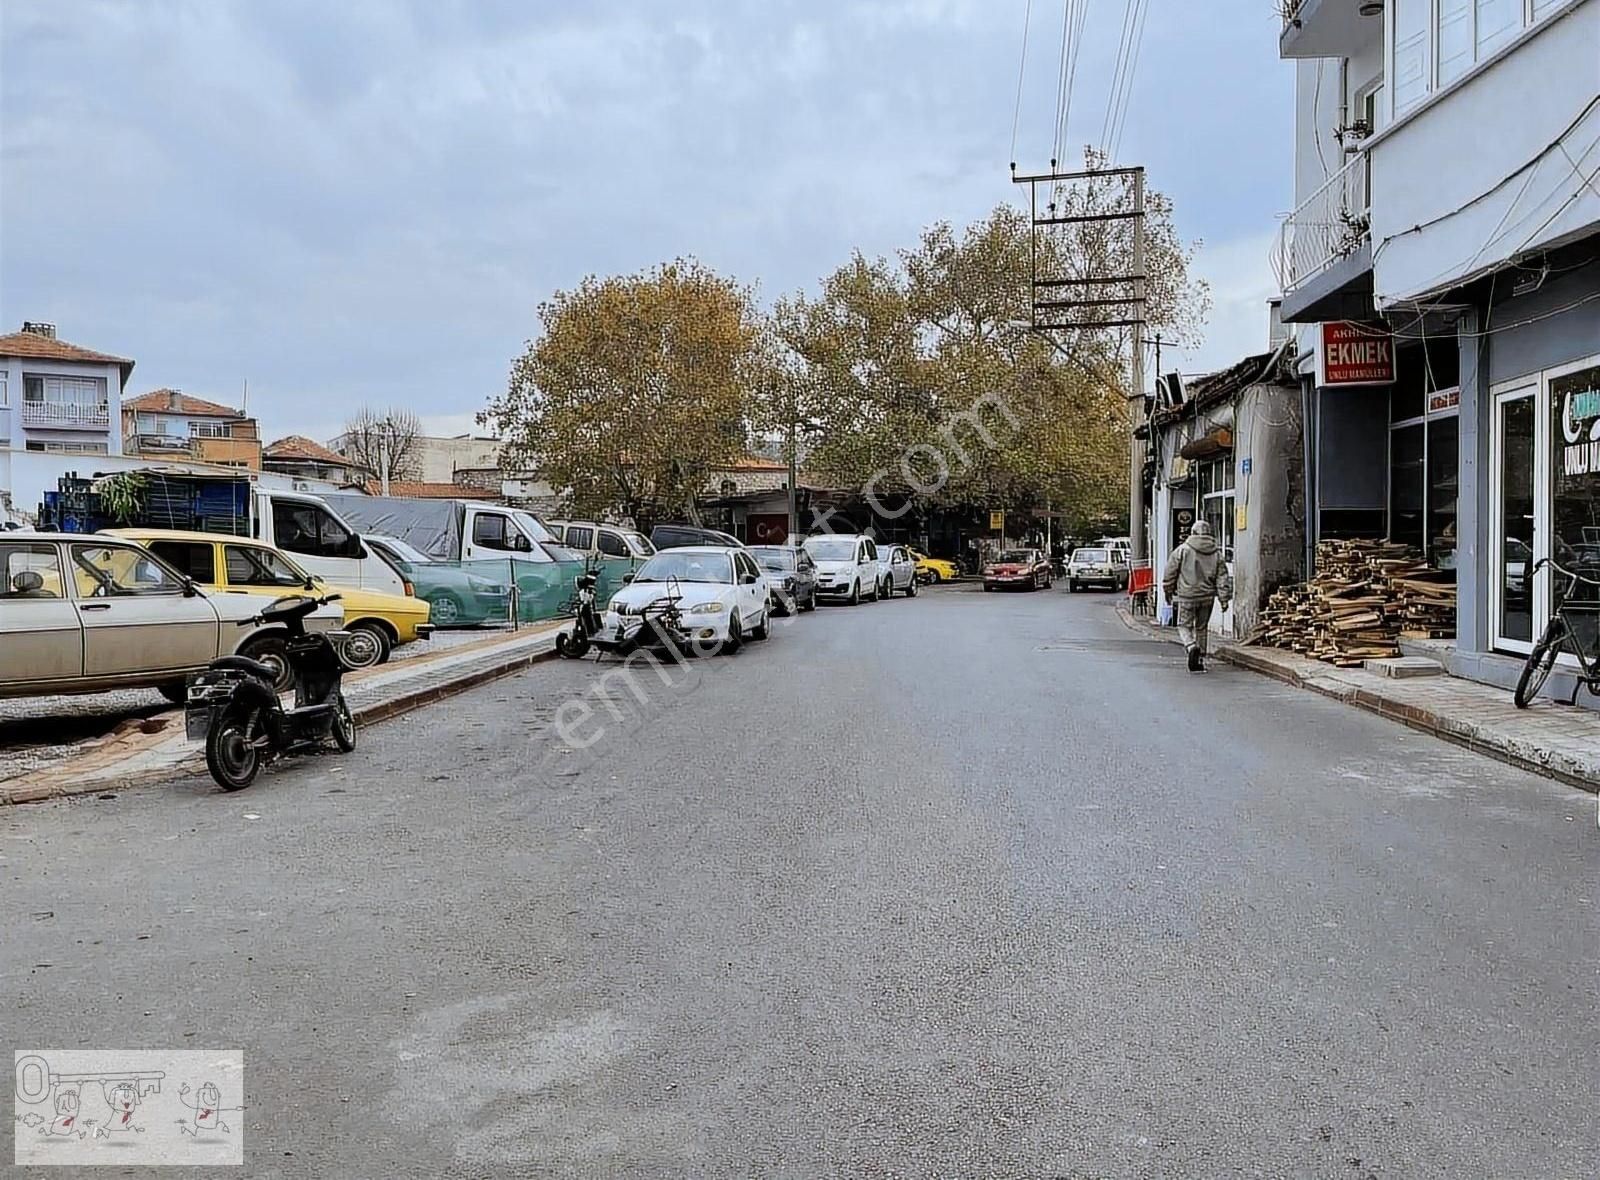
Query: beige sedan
(90,613)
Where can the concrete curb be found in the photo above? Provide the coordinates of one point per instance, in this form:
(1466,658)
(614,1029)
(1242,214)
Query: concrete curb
(1524,755)
(112,777)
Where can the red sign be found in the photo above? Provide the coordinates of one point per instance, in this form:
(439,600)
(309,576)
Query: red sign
(766,528)
(1354,354)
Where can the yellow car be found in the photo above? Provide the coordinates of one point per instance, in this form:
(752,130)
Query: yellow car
(934,569)
(377,622)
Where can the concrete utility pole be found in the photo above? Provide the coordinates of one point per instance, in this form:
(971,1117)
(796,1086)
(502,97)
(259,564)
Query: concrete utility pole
(383,455)
(794,509)
(1136,447)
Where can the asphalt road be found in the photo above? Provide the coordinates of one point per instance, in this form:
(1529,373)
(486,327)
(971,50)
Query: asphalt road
(970,885)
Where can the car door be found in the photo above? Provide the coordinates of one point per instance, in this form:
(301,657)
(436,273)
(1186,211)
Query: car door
(137,618)
(904,569)
(41,637)
(805,574)
(752,587)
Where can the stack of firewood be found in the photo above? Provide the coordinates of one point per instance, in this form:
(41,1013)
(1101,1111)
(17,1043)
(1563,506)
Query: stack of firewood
(1366,595)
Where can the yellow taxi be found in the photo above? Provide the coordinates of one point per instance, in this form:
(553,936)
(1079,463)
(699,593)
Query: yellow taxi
(377,622)
(934,569)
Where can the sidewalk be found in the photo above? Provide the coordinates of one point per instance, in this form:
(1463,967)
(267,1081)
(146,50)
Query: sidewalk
(156,750)
(1546,738)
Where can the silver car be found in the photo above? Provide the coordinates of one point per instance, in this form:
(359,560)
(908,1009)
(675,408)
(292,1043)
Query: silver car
(81,613)
(899,570)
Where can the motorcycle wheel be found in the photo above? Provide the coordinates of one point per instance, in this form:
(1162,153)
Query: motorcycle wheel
(344,725)
(231,756)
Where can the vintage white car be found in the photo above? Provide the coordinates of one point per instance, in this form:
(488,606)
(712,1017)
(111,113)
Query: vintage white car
(82,613)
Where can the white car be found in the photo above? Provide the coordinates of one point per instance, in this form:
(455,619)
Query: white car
(724,595)
(900,570)
(847,566)
(86,613)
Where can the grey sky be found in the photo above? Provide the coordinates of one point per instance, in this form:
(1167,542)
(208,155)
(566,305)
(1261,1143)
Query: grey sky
(365,201)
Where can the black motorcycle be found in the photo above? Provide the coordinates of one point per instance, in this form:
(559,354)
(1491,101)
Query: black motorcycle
(232,706)
(657,624)
(585,618)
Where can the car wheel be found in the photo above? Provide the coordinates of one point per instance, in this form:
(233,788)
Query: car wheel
(1072,586)
(367,647)
(855,593)
(735,635)
(934,577)
(911,590)
(444,610)
(177,692)
(810,602)
(987,587)
(272,651)
(765,629)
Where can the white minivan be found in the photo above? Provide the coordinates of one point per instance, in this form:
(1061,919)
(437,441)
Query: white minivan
(847,566)
(305,526)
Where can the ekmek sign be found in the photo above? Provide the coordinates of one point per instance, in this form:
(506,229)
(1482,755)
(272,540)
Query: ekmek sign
(1354,354)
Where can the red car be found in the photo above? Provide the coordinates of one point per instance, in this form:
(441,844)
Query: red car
(1026,568)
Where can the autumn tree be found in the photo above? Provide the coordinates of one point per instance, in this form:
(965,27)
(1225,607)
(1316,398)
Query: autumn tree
(635,388)
(378,439)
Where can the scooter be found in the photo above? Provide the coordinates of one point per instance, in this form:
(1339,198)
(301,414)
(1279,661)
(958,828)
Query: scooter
(233,708)
(659,624)
(574,645)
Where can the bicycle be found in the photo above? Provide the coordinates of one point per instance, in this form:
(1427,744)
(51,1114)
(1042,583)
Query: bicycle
(1559,634)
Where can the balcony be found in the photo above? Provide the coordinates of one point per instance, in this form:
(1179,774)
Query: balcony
(66,415)
(1323,255)
(1327,28)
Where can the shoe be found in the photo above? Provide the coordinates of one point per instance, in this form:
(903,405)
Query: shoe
(1194,659)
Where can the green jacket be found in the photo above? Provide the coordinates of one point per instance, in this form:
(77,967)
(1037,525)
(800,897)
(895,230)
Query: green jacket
(1196,573)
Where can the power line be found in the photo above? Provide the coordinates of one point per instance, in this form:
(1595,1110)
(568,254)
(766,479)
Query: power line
(1116,74)
(1133,69)
(1016,114)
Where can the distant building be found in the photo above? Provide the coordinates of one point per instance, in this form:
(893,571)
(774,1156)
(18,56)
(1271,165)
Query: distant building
(170,424)
(304,458)
(430,459)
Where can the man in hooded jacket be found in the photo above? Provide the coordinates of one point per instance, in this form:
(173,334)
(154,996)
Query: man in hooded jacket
(1195,576)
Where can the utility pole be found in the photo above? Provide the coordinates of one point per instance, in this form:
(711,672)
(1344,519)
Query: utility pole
(794,509)
(383,454)
(1136,446)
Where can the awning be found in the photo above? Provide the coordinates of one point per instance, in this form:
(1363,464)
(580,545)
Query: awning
(1213,442)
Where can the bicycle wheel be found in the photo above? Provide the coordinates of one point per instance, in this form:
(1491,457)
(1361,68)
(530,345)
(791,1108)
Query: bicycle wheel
(1541,662)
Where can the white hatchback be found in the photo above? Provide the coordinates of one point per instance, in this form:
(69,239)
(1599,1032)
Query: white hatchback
(723,594)
(847,566)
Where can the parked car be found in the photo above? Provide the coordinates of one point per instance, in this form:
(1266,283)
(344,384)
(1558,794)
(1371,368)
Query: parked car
(676,536)
(1097,566)
(792,575)
(377,622)
(724,595)
(589,539)
(901,576)
(847,566)
(1018,568)
(1122,544)
(935,569)
(457,597)
(86,613)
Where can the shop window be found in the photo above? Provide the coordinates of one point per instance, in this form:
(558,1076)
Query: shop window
(1215,483)
(1574,406)
(1407,453)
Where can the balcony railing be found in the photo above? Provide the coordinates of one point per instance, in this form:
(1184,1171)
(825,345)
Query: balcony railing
(1329,225)
(66,415)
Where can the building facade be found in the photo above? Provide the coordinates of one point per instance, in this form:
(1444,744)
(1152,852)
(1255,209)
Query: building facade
(1443,267)
(303,458)
(167,424)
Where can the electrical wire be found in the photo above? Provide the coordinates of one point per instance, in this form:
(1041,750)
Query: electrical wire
(1082,11)
(1061,82)
(1022,66)
(1133,70)
(1116,74)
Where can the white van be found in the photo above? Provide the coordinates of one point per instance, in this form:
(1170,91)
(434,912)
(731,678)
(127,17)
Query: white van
(450,530)
(847,566)
(305,526)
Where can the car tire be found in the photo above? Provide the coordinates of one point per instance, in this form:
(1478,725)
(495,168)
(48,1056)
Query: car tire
(855,593)
(177,692)
(444,609)
(1072,586)
(934,577)
(911,590)
(271,649)
(987,587)
(735,635)
(810,602)
(367,647)
(763,631)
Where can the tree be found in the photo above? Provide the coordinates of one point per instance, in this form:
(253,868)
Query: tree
(635,388)
(382,440)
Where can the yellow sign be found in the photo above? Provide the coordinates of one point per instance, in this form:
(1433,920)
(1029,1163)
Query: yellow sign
(1240,517)
(997,520)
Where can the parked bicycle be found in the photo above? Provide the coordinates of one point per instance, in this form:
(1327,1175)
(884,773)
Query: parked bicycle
(1561,635)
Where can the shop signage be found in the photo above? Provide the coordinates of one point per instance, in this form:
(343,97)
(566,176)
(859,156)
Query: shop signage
(997,520)
(1576,397)
(1443,399)
(1354,354)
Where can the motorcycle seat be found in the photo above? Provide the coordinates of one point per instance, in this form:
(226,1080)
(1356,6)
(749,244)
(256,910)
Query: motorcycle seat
(245,664)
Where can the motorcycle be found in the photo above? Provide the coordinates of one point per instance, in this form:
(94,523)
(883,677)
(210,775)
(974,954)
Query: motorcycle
(659,624)
(586,619)
(232,706)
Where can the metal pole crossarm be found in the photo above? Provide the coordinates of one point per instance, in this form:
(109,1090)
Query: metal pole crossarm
(1078,219)
(1088,282)
(1085,175)
(1086,324)
(1060,304)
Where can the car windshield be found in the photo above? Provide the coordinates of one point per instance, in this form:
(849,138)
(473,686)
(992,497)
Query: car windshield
(774,559)
(1086,556)
(639,543)
(686,567)
(832,548)
(531,526)
(1016,557)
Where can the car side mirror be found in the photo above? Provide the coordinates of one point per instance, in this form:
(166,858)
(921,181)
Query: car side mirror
(190,588)
(357,549)
(311,583)
(751,579)
(626,578)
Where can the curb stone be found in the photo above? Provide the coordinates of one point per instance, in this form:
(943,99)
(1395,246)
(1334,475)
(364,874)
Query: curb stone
(1509,749)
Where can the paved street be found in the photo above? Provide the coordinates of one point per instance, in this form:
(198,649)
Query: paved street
(967,885)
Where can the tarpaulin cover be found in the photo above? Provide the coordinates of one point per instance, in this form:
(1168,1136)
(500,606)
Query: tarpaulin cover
(433,526)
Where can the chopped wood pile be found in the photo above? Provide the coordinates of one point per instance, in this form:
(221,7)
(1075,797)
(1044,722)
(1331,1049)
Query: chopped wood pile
(1366,596)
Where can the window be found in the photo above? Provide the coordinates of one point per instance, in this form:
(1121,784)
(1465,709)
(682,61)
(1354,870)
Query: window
(54,447)
(1574,406)
(210,430)
(1413,65)
(494,531)
(612,545)
(579,538)
(63,391)
(115,571)
(1435,42)
(3,401)
(1455,39)
(31,572)
(1214,480)
(248,565)
(308,529)
(195,559)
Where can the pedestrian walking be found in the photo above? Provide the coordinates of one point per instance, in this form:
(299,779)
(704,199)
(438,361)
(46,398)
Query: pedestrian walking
(1195,577)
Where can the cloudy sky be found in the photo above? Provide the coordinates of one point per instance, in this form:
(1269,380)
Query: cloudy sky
(364,201)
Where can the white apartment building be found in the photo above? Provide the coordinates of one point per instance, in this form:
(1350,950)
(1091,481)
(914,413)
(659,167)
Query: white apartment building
(1443,268)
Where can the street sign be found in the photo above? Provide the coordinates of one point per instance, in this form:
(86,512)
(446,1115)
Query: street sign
(1354,354)
(997,520)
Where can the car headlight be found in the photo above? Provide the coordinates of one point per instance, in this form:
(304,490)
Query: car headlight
(707,608)
(614,606)
(989,572)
